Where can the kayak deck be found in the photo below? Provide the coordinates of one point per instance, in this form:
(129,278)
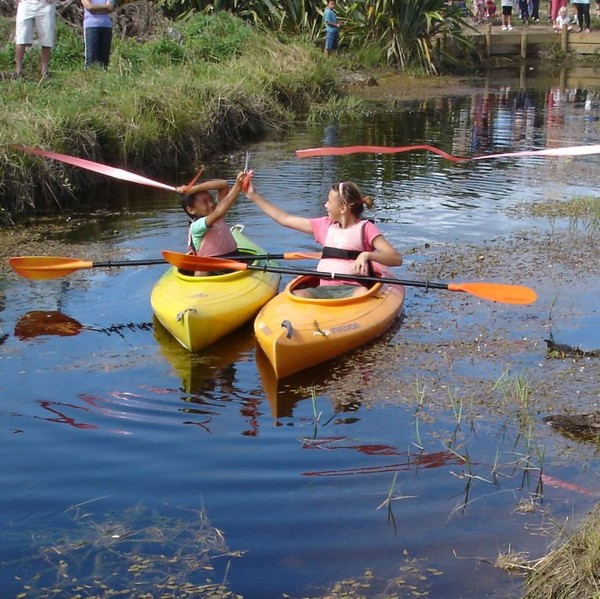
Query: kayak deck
(296,332)
(199,310)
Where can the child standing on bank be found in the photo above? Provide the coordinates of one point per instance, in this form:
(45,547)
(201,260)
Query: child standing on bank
(332,28)
(507,6)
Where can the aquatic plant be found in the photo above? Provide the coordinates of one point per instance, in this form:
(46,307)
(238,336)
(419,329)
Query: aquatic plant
(580,211)
(338,109)
(139,549)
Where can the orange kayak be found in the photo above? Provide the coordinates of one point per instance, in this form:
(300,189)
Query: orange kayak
(297,332)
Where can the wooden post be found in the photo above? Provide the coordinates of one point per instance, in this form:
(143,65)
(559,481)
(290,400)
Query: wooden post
(488,40)
(522,76)
(524,43)
(564,38)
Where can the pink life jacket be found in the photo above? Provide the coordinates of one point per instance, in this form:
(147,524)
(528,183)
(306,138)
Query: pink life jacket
(349,243)
(217,241)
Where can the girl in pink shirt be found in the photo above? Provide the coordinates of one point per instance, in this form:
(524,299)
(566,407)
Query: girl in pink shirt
(349,242)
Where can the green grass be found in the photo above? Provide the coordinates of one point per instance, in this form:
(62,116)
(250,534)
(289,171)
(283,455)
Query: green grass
(578,210)
(203,86)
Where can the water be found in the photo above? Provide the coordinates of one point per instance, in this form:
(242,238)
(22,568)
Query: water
(118,444)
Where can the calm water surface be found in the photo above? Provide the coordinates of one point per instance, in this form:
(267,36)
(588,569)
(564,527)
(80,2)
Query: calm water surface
(115,441)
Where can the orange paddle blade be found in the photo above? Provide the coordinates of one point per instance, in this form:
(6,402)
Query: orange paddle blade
(496,292)
(189,262)
(46,267)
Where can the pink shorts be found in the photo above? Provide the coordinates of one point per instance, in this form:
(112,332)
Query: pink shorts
(44,15)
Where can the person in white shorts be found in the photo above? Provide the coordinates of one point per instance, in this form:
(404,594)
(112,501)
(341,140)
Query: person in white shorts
(507,6)
(43,14)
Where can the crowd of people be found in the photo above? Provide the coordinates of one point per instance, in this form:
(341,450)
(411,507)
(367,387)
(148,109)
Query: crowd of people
(97,24)
(528,11)
(39,17)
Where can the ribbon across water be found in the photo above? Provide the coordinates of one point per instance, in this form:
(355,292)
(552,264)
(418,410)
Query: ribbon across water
(119,173)
(345,150)
(103,169)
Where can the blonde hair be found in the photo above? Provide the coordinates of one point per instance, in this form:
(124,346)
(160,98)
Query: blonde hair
(351,195)
(562,10)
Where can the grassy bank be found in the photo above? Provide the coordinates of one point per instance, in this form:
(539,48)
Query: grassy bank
(190,89)
(571,570)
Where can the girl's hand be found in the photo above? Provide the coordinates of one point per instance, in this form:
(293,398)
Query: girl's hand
(247,179)
(239,179)
(248,186)
(361,264)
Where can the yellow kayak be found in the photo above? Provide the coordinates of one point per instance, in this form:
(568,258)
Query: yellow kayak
(199,310)
(297,332)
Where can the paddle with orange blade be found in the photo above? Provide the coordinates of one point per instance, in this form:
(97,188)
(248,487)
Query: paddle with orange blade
(188,262)
(496,292)
(53,267)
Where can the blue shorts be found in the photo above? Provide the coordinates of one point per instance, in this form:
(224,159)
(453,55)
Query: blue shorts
(331,39)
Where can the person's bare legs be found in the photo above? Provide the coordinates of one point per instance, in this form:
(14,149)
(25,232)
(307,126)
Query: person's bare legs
(46,52)
(19,55)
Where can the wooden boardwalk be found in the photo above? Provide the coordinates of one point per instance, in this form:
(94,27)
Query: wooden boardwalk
(524,41)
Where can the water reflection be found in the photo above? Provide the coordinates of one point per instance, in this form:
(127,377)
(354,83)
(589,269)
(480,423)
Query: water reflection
(413,461)
(59,414)
(210,377)
(46,322)
(40,323)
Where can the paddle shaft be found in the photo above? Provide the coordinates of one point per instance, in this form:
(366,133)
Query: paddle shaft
(151,262)
(241,257)
(52,267)
(509,294)
(119,263)
(344,277)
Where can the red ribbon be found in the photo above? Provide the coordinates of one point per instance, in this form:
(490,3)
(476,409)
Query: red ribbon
(103,169)
(345,150)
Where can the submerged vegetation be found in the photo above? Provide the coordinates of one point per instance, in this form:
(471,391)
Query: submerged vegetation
(137,552)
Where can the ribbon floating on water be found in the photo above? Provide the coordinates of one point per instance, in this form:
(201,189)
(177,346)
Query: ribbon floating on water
(345,150)
(103,169)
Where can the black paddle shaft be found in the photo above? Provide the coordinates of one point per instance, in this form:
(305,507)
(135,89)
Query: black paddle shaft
(343,277)
(151,262)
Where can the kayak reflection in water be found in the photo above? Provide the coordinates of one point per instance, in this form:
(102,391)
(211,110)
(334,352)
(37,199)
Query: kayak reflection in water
(350,243)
